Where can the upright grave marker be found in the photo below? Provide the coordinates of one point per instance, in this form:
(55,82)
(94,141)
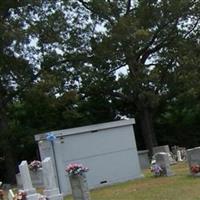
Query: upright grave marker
(78,181)
(26,182)
(162,159)
(51,190)
(193,157)
(10,195)
(79,187)
(179,158)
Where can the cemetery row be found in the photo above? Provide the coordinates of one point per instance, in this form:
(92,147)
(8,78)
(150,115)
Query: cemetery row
(76,174)
(161,166)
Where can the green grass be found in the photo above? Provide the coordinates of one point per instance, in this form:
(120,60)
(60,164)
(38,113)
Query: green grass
(182,186)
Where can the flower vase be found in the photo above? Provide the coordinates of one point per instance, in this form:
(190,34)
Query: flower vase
(79,187)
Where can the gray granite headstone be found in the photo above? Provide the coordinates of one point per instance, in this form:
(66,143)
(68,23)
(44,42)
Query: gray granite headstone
(158,149)
(26,182)
(162,159)
(79,187)
(164,148)
(144,159)
(193,157)
(51,190)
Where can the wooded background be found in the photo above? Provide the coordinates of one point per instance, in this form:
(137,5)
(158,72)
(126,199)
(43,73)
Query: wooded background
(59,67)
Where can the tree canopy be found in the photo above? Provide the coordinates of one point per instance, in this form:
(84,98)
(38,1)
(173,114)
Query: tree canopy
(60,60)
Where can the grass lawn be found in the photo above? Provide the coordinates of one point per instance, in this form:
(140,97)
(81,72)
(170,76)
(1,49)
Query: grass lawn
(178,187)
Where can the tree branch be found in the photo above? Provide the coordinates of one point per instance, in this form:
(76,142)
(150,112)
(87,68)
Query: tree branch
(121,96)
(168,39)
(128,7)
(152,40)
(85,4)
(192,29)
(115,69)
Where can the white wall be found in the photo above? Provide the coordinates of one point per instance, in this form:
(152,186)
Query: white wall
(110,154)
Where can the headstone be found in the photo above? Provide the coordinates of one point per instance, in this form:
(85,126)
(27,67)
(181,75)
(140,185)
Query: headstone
(51,190)
(144,159)
(179,158)
(10,195)
(162,159)
(79,187)
(158,149)
(193,157)
(36,178)
(179,153)
(164,148)
(26,182)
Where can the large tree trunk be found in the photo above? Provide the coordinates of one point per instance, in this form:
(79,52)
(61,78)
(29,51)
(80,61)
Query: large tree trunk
(146,124)
(10,165)
(6,149)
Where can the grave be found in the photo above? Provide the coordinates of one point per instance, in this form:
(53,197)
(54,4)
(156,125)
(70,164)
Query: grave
(193,157)
(51,190)
(158,149)
(179,158)
(79,187)
(164,148)
(144,159)
(162,159)
(10,195)
(179,153)
(36,178)
(26,182)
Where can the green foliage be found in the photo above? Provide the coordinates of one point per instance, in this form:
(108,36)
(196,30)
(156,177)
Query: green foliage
(59,60)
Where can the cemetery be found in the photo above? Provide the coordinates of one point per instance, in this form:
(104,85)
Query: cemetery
(149,187)
(65,175)
(99,100)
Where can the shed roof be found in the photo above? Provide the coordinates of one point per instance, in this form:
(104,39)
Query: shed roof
(84,129)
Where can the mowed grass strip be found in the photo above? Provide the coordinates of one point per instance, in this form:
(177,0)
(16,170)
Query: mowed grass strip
(182,186)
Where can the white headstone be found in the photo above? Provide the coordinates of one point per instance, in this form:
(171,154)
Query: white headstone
(10,195)
(51,190)
(26,178)
(162,159)
(179,155)
(26,182)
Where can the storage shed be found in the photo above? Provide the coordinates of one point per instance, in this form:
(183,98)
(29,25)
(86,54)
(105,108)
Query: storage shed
(108,150)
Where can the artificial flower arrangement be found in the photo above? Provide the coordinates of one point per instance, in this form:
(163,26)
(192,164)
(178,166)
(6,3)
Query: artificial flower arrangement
(2,194)
(195,168)
(35,165)
(21,195)
(157,169)
(76,169)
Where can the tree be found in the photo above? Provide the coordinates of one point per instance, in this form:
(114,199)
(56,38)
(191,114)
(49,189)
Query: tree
(179,113)
(94,37)
(77,46)
(18,76)
(138,36)
(15,73)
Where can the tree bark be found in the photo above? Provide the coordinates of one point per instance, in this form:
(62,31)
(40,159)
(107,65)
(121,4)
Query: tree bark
(147,130)
(6,149)
(9,164)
